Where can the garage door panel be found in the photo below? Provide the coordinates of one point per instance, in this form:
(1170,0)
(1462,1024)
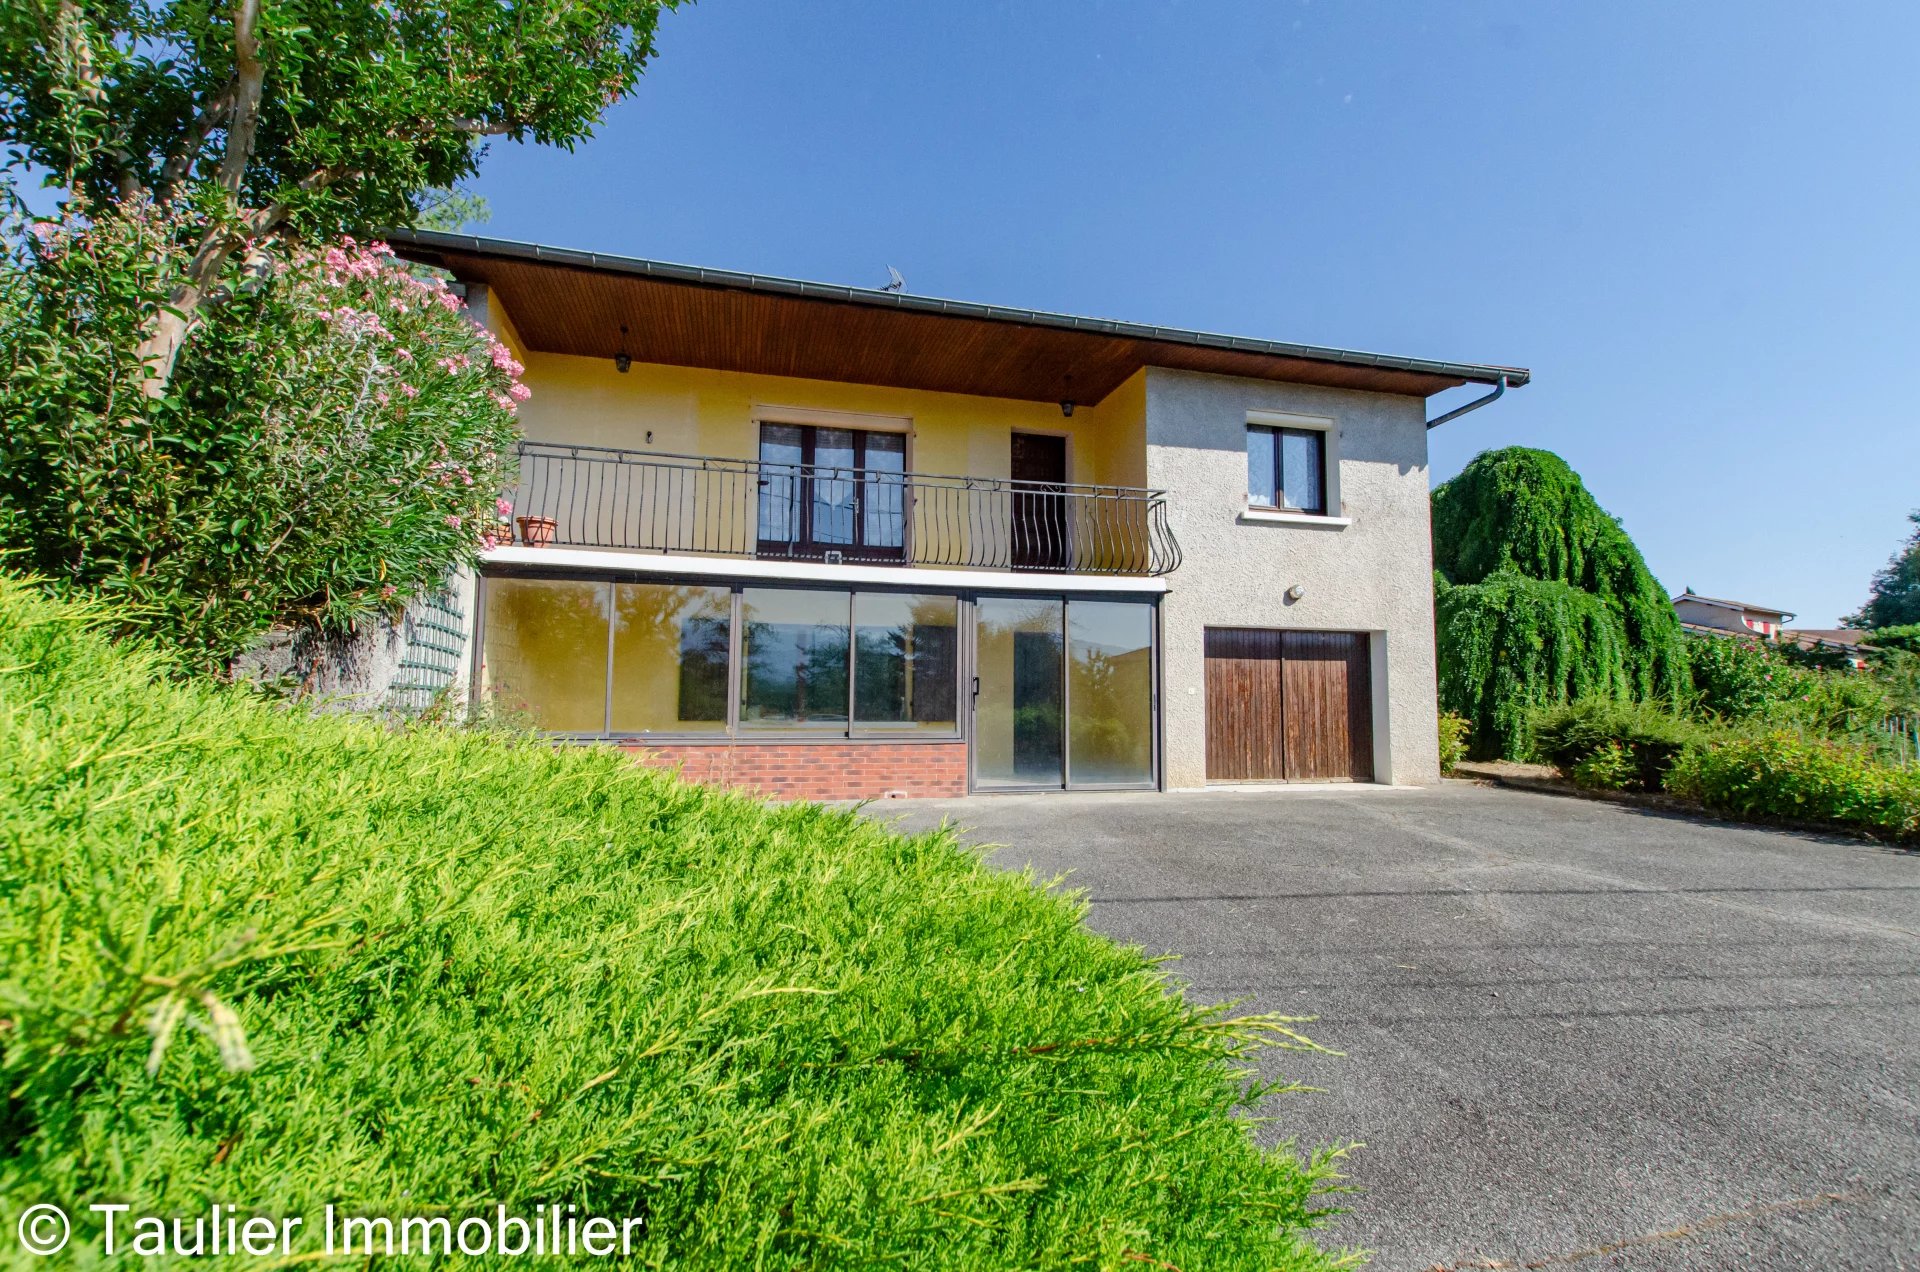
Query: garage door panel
(1288,705)
(1327,707)
(1244,725)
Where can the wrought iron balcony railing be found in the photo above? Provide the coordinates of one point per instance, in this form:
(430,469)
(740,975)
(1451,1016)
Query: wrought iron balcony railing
(600,497)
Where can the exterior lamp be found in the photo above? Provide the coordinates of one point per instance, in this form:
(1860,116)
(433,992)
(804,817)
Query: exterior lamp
(622,360)
(1066,408)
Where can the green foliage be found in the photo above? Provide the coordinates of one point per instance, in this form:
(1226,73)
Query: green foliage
(1783,775)
(343,112)
(1904,638)
(1736,680)
(1525,511)
(1611,768)
(451,211)
(1511,645)
(1544,599)
(304,118)
(336,442)
(1611,744)
(435,971)
(1454,732)
(1895,591)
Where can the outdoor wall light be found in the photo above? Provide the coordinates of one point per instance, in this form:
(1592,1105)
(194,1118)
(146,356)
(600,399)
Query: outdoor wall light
(622,360)
(1295,592)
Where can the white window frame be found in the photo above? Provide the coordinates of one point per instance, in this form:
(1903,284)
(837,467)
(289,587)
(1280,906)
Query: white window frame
(1329,428)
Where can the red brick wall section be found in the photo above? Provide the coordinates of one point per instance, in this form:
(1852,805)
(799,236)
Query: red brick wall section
(820,770)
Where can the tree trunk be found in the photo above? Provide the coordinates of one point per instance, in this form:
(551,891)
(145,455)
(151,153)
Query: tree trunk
(160,349)
(166,331)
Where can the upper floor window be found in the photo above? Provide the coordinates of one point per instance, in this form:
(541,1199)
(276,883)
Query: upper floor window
(1287,468)
(832,490)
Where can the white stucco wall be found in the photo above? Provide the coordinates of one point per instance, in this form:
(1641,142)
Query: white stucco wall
(1374,575)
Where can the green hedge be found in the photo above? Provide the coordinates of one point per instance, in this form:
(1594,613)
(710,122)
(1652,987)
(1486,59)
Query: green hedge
(1781,775)
(1613,745)
(433,971)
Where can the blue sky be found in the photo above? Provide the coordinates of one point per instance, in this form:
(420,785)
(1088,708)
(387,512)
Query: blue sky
(1695,222)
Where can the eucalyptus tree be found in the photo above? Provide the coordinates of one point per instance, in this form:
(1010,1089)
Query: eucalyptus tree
(270,118)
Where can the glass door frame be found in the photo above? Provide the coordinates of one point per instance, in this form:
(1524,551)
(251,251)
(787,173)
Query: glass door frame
(805,477)
(970,692)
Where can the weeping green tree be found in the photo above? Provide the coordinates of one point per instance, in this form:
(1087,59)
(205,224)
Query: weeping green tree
(1541,597)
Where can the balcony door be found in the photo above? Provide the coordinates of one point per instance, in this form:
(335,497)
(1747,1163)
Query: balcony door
(828,491)
(1039,540)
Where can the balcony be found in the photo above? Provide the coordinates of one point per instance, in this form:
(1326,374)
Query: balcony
(643,501)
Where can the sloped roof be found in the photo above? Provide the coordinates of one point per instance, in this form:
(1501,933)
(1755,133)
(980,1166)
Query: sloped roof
(1733,605)
(574,302)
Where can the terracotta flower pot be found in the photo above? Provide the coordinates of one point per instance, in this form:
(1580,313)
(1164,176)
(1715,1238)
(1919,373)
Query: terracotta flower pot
(536,532)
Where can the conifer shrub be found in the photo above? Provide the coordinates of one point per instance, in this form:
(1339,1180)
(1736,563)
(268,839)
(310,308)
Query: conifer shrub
(1511,645)
(266,959)
(1525,511)
(1541,597)
(1613,745)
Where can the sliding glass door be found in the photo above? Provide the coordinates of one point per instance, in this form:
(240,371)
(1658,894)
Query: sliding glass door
(1064,693)
(1109,693)
(1017,712)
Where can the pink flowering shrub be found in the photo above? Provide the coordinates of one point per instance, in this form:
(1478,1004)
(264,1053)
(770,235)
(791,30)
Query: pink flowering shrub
(336,438)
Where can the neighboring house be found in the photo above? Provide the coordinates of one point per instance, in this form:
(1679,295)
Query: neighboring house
(837,543)
(1845,641)
(1714,616)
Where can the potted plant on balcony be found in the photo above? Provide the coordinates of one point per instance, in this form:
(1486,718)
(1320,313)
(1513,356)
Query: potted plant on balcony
(536,532)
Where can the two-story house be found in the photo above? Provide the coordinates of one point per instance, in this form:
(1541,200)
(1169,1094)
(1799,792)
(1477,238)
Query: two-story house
(1712,615)
(832,542)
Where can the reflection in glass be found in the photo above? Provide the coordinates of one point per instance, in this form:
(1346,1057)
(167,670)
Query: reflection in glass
(1262,469)
(780,456)
(903,665)
(545,652)
(833,485)
(1301,452)
(670,658)
(793,648)
(883,514)
(1017,714)
(1110,693)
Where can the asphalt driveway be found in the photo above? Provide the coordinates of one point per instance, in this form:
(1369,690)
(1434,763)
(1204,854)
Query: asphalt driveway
(1574,1033)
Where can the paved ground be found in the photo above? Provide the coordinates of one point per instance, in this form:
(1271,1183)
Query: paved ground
(1575,1033)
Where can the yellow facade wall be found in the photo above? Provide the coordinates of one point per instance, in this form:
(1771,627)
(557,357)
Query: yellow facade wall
(678,506)
(586,401)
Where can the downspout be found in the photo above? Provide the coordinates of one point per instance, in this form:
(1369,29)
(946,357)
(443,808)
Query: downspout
(1474,405)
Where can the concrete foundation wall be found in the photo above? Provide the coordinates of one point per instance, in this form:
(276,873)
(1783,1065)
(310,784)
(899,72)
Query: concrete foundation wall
(1373,575)
(380,666)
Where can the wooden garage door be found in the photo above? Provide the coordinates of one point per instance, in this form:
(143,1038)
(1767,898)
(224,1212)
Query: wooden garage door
(1288,706)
